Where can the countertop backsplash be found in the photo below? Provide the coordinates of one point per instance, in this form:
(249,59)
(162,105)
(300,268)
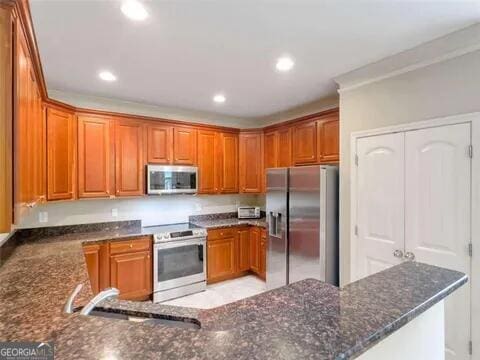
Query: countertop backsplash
(151,210)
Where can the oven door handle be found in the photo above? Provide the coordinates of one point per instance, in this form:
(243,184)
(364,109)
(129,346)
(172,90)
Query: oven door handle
(174,244)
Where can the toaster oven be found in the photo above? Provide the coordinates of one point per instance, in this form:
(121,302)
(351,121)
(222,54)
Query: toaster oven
(248,212)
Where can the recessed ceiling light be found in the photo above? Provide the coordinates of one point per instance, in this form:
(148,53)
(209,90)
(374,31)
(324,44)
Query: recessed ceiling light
(219,98)
(134,10)
(107,76)
(284,64)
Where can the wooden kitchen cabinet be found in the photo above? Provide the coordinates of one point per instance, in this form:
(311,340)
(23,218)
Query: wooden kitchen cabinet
(227,163)
(328,145)
(305,143)
(129,165)
(263,254)
(255,249)
(221,259)
(95,156)
(61,146)
(284,152)
(123,264)
(271,149)
(243,249)
(92,260)
(184,145)
(207,159)
(251,162)
(159,143)
(131,273)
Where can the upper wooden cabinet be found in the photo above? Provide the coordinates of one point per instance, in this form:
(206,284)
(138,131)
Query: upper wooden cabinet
(251,162)
(159,143)
(271,149)
(305,143)
(129,165)
(207,159)
(227,163)
(95,156)
(61,145)
(284,152)
(328,133)
(184,145)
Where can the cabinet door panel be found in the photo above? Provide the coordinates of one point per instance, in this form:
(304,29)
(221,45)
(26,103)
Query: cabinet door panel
(131,273)
(220,259)
(129,172)
(284,147)
(206,162)
(60,155)
(228,163)
(243,251)
(251,163)
(159,144)
(329,144)
(254,249)
(271,149)
(92,260)
(305,143)
(95,147)
(184,146)
(263,253)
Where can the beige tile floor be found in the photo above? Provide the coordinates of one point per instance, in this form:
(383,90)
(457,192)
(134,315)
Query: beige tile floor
(222,293)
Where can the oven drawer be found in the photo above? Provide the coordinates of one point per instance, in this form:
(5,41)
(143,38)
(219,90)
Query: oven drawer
(126,246)
(222,233)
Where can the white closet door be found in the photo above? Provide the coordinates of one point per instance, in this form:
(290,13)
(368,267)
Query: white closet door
(380,203)
(437,216)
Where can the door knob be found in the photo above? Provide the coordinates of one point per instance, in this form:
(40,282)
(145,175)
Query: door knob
(398,253)
(409,256)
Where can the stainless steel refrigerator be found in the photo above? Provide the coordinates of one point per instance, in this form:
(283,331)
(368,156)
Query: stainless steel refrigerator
(302,215)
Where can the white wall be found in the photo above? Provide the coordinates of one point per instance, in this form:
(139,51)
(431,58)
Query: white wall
(154,210)
(441,89)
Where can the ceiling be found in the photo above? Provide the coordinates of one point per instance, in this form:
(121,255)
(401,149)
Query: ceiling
(188,50)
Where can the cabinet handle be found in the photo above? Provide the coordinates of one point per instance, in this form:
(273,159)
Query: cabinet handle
(131,246)
(409,256)
(398,253)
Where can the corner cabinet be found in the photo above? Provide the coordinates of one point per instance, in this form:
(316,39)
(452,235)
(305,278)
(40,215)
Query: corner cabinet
(61,146)
(251,162)
(129,164)
(95,156)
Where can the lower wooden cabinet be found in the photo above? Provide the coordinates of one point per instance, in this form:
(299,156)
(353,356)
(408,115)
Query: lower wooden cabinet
(123,264)
(92,260)
(233,251)
(255,249)
(243,249)
(221,259)
(131,273)
(263,254)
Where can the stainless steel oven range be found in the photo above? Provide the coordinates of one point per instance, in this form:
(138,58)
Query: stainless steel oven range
(179,261)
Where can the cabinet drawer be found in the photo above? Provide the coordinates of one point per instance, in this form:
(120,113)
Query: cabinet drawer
(120,247)
(222,233)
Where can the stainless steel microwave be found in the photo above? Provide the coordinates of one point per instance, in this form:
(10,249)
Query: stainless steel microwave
(171,179)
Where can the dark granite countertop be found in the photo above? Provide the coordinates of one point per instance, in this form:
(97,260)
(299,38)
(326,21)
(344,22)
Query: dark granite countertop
(216,221)
(308,319)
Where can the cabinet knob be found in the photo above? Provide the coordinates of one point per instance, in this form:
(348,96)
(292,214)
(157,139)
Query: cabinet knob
(131,246)
(398,253)
(409,256)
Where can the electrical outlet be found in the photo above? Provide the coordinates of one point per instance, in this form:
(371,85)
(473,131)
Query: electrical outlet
(43,216)
(114,212)
(198,207)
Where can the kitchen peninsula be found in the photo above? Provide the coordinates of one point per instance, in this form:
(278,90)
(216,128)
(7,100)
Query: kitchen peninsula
(307,319)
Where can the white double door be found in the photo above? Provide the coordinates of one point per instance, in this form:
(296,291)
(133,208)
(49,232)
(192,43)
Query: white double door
(413,192)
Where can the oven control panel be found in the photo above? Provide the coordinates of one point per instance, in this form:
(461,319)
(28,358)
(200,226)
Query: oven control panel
(180,235)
